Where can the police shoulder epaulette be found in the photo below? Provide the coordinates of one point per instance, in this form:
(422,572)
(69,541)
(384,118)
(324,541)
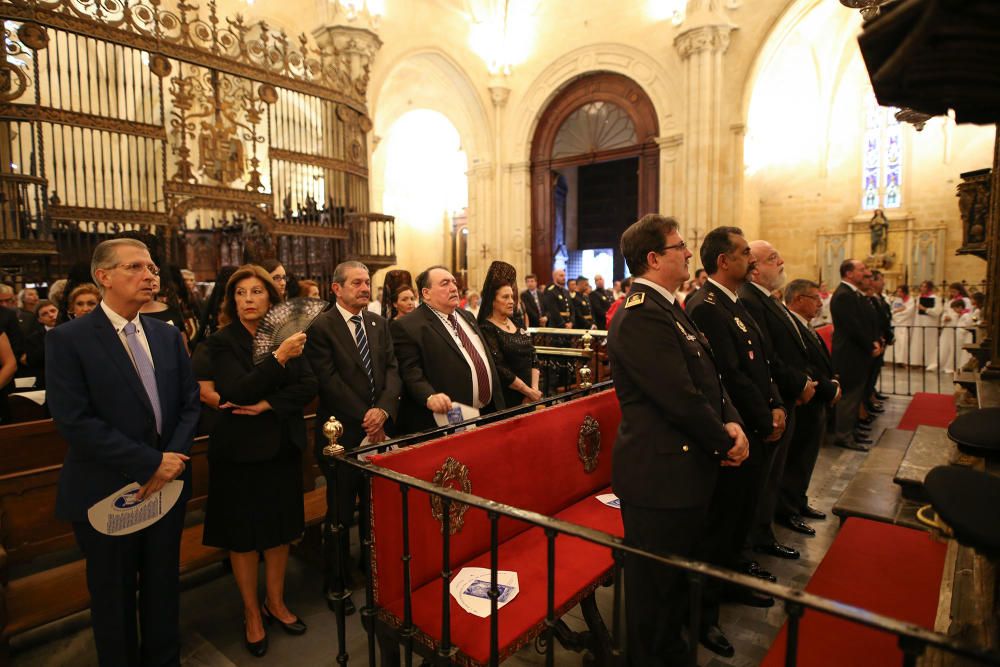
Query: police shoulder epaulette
(710,298)
(635,299)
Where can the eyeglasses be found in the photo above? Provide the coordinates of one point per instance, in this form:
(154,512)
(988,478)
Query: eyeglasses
(280,278)
(675,246)
(139,267)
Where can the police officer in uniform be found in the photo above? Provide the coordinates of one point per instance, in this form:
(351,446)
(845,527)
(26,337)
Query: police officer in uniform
(738,344)
(670,446)
(582,317)
(600,301)
(556,304)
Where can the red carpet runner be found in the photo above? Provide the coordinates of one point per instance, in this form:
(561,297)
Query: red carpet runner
(928,410)
(877,566)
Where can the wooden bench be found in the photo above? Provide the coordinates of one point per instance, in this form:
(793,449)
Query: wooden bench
(31,456)
(535,462)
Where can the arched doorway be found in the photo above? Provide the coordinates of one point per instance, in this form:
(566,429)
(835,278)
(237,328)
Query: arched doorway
(596,138)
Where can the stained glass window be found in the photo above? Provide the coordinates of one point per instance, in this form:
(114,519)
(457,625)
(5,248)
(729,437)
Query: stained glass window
(882,158)
(596,126)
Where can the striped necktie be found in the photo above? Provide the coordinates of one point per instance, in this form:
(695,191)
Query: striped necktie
(145,368)
(482,375)
(366,356)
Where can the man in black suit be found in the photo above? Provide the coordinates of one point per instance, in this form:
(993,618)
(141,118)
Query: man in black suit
(442,356)
(856,345)
(670,445)
(883,324)
(803,301)
(556,305)
(787,353)
(600,301)
(121,391)
(740,353)
(352,355)
(583,318)
(531,302)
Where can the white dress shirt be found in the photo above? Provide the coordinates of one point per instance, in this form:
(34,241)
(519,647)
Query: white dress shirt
(119,322)
(725,290)
(664,292)
(476,343)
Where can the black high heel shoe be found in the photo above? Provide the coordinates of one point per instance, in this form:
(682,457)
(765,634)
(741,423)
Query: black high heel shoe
(296,627)
(257,649)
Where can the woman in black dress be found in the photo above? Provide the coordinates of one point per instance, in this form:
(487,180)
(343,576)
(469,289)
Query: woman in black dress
(255,449)
(510,344)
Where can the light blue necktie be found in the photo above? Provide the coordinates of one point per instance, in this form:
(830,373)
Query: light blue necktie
(362,340)
(146,374)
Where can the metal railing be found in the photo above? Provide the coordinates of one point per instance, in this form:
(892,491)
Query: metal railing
(912,640)
(569,358)
(926,358)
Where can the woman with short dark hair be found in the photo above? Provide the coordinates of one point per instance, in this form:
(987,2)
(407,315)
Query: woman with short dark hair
(255,449)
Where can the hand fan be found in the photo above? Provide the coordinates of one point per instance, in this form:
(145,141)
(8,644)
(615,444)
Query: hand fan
(282,321)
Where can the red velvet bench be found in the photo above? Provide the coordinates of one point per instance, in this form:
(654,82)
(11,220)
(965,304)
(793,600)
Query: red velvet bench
(534,462)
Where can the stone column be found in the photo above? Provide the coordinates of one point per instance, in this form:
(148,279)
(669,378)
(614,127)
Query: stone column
(702,44)
(517,224)
(483,244)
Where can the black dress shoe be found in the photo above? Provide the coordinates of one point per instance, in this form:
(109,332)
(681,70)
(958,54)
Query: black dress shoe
(866,421)
(854,445)
(779,550)
(862,439)
(812,513)
(754,569)
(795,522)
(876,409)
(880,396)
(256,649)
(296,627)
(749,598)
(716,642)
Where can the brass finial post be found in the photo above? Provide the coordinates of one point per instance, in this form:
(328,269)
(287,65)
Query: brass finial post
(332,430)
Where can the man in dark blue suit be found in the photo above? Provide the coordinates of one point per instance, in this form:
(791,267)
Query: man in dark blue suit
(122,393)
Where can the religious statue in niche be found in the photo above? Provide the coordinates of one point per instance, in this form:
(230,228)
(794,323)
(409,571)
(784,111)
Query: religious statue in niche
(879,227)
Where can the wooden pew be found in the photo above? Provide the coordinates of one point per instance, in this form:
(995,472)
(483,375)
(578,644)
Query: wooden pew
(31,456)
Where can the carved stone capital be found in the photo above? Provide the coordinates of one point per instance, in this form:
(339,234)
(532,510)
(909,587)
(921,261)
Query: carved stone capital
(714,38)
(356,45)
(499,95)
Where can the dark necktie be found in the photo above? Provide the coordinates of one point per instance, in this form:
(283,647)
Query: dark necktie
(145,369)
(791,319)
(366,356)
(482,375)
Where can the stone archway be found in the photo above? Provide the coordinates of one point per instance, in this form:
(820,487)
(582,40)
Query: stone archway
(608,87)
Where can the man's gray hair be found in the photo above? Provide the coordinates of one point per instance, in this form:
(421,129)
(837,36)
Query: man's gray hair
(798,287)
(106,255)
(6,289)
(340,272)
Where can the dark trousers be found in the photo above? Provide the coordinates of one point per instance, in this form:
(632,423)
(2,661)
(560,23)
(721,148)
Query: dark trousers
(847,411)
(655,595)
(877,364)
(343,488)
(147,563)
(763,530)
(810,431)
(730,519)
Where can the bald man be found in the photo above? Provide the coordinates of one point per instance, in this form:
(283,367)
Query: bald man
(787,352)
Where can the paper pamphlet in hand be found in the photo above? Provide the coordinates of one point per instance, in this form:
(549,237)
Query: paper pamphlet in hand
(459,413)
(610,499)
(121,514)
(471,587)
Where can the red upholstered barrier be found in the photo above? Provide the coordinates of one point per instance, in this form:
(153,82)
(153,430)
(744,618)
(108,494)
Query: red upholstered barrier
(531,462)
(826,333)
